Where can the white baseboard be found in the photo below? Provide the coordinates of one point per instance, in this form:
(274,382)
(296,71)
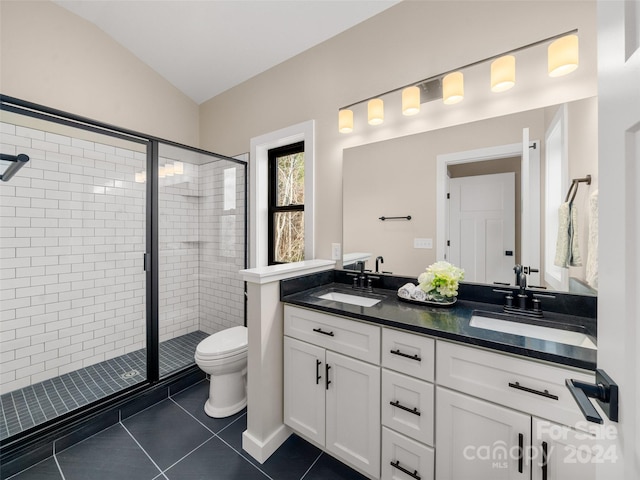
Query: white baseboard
(261,451)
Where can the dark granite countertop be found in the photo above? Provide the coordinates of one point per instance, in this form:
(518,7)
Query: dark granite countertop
(452,323)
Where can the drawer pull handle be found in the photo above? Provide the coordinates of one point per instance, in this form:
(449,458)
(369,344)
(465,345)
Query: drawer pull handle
(406,355)
(544,460)
(318,376)
(414,410)
(546,393)
(413,474)
(520,452)
(319,330)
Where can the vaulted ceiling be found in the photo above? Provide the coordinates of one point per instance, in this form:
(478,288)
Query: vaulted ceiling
(204,47)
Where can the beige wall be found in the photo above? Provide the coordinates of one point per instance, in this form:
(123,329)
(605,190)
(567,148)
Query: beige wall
(54,58)
(405,43)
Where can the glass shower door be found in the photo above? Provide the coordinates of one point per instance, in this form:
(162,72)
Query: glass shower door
(202,247)
(72,239)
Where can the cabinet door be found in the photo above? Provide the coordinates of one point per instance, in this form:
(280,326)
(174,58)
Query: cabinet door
(478,440)
(304,389)
(561,453)
(353,412)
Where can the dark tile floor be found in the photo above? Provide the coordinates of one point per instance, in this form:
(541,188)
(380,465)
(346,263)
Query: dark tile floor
(175,440)
(30,406)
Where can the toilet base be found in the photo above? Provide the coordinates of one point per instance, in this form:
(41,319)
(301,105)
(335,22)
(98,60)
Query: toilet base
(216,412)
(227,394)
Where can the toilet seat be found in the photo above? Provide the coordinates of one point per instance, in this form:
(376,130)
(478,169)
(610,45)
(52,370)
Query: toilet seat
(226,343)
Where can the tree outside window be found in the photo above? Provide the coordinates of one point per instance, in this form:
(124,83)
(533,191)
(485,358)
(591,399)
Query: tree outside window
(286,204)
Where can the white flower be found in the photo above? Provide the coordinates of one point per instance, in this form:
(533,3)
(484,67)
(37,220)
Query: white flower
(442,278)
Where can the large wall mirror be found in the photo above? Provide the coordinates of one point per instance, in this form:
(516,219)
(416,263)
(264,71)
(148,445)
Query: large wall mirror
(502,208)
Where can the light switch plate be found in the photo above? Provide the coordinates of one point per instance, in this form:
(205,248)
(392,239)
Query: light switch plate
(422,243)
(335,251)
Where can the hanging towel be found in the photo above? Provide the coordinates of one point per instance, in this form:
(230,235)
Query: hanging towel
(567,249)
(592,242)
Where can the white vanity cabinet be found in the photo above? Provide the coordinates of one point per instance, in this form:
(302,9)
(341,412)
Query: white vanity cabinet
(564,453)
(487,408)
(407,399)
(400,405)
(332,395)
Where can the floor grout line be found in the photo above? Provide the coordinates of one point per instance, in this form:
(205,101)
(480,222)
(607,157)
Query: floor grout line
(141,448)
(311,466)
(55,459)
(187,454)
(216,435)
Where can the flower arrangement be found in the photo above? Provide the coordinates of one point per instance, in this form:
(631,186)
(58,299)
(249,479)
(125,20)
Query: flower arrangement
(441,280)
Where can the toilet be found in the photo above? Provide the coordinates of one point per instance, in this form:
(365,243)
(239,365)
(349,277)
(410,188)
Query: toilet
(223,356)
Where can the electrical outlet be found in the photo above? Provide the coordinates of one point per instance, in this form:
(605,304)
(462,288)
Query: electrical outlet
(422,243)
(335,251)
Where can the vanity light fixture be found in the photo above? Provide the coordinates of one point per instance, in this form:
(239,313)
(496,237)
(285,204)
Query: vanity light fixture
(563,56)
(375,109)
(503,73)
(449,86)
(410,100)
(453,88)
(345,121)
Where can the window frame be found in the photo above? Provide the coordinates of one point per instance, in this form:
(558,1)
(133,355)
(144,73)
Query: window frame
(273,208)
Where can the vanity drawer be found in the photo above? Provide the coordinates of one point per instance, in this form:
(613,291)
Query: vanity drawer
(408,353)
(407,406)
(342,335)
(525,385)
(401,455)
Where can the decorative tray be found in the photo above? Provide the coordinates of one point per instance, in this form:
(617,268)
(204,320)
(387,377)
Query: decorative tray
(431,303)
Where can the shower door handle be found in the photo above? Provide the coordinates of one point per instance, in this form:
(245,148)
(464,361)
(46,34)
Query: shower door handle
(144,262)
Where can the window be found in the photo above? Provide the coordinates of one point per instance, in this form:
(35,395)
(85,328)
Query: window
(286,204)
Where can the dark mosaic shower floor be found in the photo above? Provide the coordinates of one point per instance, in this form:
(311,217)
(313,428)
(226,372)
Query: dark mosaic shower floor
(35,404)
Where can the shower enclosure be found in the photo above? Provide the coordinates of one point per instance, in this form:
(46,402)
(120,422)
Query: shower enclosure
(119,252)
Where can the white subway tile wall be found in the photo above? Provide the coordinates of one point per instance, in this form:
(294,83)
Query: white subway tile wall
(222,246)
(202,247)
(72,238)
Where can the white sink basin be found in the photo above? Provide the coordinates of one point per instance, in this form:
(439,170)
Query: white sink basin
(566,337)
(350,299)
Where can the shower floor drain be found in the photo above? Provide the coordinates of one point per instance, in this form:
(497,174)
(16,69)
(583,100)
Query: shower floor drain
(130,373)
